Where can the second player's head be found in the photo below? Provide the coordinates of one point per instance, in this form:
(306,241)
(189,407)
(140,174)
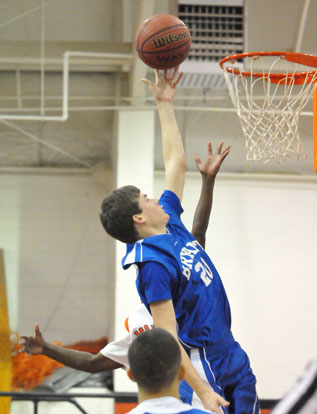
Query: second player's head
(155,361)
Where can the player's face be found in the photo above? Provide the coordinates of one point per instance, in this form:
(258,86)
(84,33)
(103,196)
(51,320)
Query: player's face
(153,212)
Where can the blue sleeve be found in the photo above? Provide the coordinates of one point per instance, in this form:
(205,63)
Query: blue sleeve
(154,282)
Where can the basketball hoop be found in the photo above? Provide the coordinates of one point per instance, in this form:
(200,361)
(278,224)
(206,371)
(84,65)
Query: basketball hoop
(269,91)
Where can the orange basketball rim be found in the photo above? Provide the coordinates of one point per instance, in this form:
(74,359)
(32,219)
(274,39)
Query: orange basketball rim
(296,78)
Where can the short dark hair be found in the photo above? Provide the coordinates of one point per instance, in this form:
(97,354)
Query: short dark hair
(117,212)
(154,358)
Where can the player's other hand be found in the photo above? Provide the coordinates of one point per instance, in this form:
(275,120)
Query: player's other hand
(165,84)
(32,345)
(212,164)
(213,402)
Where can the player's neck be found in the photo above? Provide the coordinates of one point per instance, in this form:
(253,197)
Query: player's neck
(152,231)
(171,391)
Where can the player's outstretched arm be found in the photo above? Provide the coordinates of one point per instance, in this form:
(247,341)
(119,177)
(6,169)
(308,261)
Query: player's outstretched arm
(84,361)
(173,151)
(164,317)
(208,170)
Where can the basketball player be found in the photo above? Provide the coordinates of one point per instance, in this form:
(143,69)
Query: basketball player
(176,280)
(155,365)
(115,354)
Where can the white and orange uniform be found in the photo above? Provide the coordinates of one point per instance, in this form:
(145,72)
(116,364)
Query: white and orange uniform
(138,322)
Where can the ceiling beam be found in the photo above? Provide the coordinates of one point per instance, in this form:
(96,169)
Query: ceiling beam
(145,9)
(301,26)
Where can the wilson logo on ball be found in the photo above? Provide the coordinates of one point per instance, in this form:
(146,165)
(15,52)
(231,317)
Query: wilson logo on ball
(169,39)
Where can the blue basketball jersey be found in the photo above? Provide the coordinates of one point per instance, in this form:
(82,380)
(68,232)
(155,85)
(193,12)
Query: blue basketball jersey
(174,266)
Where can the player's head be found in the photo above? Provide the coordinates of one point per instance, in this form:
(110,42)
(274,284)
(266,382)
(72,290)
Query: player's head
(117,211)
(152,218)
(155,361)
(129,215)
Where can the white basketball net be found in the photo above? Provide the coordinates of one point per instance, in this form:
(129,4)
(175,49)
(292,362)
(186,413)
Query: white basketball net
(269,112)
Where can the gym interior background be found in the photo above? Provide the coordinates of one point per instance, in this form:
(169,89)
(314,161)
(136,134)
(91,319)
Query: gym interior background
(69,135)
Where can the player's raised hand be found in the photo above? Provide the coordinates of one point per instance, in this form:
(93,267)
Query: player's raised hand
(212,164)
(165,84)
(32,345)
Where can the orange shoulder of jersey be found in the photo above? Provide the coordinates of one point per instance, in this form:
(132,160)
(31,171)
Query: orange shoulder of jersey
(126,324)
(139,321)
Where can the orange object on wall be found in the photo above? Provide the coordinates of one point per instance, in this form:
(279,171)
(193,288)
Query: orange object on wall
(30,370)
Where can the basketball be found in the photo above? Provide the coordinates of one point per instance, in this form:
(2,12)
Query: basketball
(163,41)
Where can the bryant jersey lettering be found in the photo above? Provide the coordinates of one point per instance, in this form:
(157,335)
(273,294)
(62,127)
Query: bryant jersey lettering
(187,257)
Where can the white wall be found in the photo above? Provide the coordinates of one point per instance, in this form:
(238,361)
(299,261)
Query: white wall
(56,254)
(59,263)
(262,239)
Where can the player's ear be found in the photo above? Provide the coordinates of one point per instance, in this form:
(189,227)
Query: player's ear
(181,372)
(129,373)
(138,219)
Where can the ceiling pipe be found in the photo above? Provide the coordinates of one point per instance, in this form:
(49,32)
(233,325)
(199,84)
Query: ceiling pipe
(141,108)
(120,57)
(301,28)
